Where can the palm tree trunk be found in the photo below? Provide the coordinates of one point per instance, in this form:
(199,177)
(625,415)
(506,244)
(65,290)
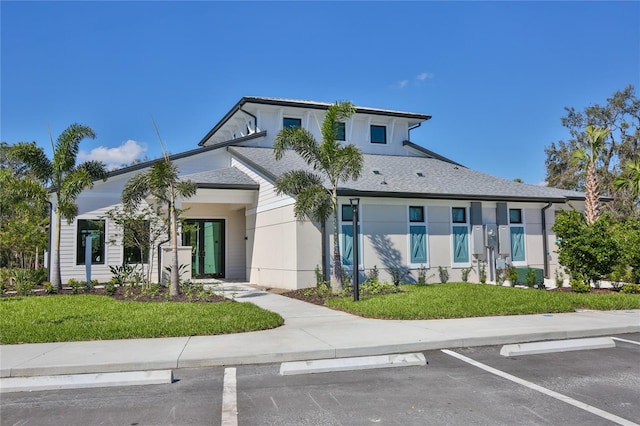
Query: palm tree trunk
(592,199)
(56,278)
(336,275)
(174,289)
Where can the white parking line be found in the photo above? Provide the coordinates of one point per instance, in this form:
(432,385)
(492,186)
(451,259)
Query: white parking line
(229,398)
(549,392)
(626,341)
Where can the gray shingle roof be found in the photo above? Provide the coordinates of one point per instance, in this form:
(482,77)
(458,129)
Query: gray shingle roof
(221,178)
(404,176)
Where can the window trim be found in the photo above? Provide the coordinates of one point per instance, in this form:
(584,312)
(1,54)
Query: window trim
(513,225)
(410,224)
(360,238)
(79,247)
(384,126)
(290,118)
(344,133)
(453,224)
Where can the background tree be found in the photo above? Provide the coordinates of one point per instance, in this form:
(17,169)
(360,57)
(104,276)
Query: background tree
(587,158)
(163,183)
(588,252)
(64,177)
(629,180)
(621,115)
(332,161)
(23,214)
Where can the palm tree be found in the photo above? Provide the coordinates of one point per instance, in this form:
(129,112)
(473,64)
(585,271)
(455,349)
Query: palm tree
(332,161)
(588,157)
(629,179)
(162,182)
(64,177)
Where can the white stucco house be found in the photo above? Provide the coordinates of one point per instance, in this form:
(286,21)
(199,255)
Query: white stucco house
(417,208)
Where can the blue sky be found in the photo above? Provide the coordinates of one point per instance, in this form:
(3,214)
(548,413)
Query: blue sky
(495,76)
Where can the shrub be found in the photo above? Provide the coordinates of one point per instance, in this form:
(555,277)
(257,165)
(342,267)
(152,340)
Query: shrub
(38,276)
(22,282)
(499,276)
(398,275)
(110,287)
(76,286)
(122,273)
(443,272)
(531,277)
(49,288)
(376,287)
(579,285)
(422,275)
(465,274)
(373,276)
(512,275)
(559,278)
(5,277)
(630,289)
(483,273)
(319,278)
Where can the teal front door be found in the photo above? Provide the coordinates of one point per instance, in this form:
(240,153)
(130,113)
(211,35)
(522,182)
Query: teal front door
(206,238)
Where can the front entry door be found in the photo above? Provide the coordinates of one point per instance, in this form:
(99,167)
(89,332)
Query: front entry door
(206,238)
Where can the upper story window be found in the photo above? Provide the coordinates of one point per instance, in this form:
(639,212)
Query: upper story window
(347,213)
(515,215)
(291,122)
(340,132)
(416,214)
(459,215)
(378,134)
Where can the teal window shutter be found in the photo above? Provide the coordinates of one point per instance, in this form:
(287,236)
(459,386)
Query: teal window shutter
(347,245)
(460,244)
(517,244)
(418,244)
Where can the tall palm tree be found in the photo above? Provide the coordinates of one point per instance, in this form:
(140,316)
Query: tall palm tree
(64,177)
(589,157)
(162,182)
(629,179)
(332,161)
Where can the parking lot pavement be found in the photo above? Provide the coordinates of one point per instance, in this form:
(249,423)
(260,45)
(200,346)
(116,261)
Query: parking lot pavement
(448,390)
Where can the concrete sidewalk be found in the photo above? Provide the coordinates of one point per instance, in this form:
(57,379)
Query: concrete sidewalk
(310,332)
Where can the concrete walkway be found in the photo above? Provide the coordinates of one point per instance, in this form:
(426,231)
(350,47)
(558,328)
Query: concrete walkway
(310,332)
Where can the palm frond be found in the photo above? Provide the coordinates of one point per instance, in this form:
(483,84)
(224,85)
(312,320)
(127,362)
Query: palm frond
(67,146)
(294,182)
(335,113)
(34,157)
(313,203)
(136,189)
(95,169)
(300,140)
(186,188)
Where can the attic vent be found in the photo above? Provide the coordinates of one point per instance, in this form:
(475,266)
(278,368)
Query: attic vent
(420,174)
(377,172)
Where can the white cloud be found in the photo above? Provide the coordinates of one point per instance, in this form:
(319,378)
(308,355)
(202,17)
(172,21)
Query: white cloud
(115,157)
(424,76)
(403,84)
(542,183)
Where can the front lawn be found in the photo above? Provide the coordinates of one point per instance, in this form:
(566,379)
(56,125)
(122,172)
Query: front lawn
(90,317)
(462,300)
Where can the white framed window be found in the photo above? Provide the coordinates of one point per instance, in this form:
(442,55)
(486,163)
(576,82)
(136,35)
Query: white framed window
(517,236)
(460,241)
(417,236)
(346,236)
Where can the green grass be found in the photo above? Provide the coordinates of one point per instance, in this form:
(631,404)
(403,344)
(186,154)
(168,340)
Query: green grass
(461,300)
(88,317)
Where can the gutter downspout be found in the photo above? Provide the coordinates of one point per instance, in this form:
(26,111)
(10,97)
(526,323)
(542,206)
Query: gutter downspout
(545,244)
(410,129)
(323,232)
(255,120)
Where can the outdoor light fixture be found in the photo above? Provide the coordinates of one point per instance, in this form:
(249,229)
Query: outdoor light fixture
(355,202)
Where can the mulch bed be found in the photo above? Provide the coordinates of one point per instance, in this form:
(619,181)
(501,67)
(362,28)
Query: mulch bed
(133,294)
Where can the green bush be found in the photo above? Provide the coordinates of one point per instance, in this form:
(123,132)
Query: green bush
(531,277)
(579,285)
(22,283)
(376,287)
(483,273)
(422,275)
(630,289)
(443,272)
(374,275)
(49,288)
(38,276)
(110,287)
(465,274)
(77,287)
(559,278)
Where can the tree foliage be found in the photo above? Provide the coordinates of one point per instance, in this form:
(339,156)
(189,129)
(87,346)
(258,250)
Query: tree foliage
(332,162)
(621,115)
(163,183)
(63,176)
(23,213)
(588,252)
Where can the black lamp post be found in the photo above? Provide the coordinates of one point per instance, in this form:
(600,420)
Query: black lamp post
(356,259)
